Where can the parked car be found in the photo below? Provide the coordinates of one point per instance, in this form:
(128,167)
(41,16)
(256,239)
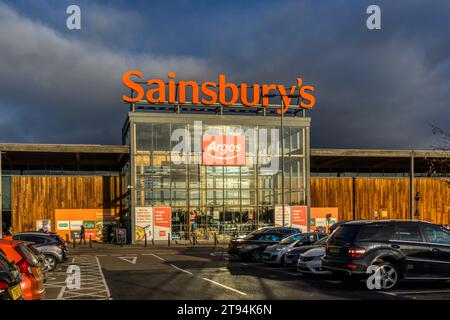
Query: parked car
(32,283)
(252,246)
(336,225)
(285,231)
(50,244)
(10,279)
(402,250)
(274,254)
(311,261)
(40,256)
(293,254)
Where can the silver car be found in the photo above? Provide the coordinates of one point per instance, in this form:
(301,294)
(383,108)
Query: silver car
(311,261)
(49,244)
(275,254)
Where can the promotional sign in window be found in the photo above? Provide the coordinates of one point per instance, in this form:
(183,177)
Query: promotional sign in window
(144,222)
(63,225)
(75,225)
(223,150)
(279,216)
(162,220)
(299,216)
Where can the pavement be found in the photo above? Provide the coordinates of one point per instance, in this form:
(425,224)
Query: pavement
(206,273)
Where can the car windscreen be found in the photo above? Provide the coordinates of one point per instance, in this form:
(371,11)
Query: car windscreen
(292,239)
(29,255)
(345,233)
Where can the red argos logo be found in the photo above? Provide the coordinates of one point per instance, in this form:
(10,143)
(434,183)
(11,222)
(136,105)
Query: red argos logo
(223,150)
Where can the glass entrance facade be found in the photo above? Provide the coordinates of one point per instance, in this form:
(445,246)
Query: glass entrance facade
(169,167)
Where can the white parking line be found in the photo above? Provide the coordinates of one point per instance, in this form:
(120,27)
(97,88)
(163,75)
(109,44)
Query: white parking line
(103,278)
(158,257)
(182,270)
(415,292)
(61,293)
(226,287)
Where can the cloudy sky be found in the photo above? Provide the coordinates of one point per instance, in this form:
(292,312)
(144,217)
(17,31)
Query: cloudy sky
(374,89)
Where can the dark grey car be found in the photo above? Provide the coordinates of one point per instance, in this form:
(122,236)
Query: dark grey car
(49,244)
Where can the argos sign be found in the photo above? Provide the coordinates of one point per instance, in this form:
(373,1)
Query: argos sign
(223,150)
(220,92)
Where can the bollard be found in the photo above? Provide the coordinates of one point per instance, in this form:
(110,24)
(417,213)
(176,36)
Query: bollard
(73,242)
(145,239)
(215,239)
(67,238)
(168,239)
(153,241)
(194,239)
(90,241)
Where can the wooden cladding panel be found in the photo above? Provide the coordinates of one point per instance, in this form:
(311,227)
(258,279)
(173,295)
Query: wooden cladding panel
(373,194)
(333,192)
(36,197)
(376,194)
(434,203)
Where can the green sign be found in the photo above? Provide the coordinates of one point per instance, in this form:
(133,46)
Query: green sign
(89,224)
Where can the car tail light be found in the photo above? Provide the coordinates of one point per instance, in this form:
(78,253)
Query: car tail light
(62,245)
(241,245)
(3,286)
(351,266)
(24,267)
(355,252)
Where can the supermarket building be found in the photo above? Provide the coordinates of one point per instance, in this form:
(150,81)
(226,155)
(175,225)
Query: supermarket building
(215,168)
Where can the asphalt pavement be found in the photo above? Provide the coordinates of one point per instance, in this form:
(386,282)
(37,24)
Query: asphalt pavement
(206,273)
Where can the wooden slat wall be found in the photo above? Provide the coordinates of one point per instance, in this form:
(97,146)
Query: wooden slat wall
(36,197)
(372,194)
(333,192)
(434,204)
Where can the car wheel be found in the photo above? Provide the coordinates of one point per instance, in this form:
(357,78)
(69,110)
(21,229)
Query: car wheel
(50,262)
(389,275)
(256,255)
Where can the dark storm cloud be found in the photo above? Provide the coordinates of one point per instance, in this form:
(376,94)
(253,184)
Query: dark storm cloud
(374,88)
(56,90)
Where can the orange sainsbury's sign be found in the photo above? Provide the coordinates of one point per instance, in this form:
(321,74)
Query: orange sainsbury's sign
(210,92)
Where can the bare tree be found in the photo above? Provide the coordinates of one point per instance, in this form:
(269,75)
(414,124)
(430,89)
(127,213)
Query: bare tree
(440,167)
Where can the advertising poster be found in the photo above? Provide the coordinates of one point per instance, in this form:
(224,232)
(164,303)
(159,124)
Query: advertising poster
(162,220)
(324,217)
(63,225)
(75,225)
(95,221)
(144,223)
(299,217)
(279,216)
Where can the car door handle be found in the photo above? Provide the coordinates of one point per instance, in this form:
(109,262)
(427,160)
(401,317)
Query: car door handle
(435,250)
(395,246)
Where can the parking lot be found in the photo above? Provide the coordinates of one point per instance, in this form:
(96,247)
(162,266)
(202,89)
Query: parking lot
(203,273)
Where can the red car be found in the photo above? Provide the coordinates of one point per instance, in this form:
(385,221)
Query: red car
(32,284)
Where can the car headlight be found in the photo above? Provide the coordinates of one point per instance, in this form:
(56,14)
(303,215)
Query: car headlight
(318,258)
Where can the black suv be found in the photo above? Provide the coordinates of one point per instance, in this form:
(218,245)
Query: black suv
(410,250)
